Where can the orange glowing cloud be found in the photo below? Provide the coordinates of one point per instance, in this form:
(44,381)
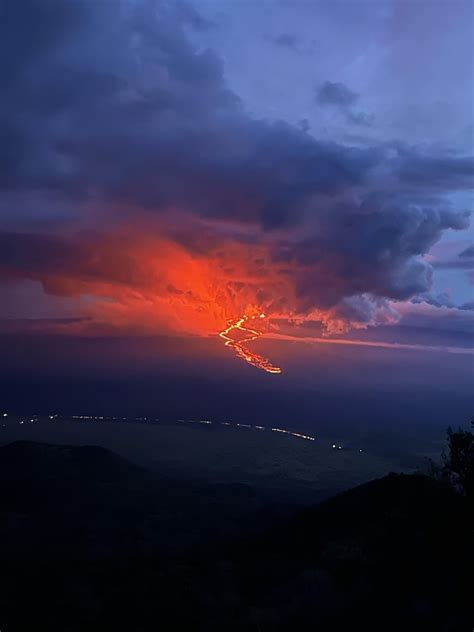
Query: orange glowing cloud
(142,279)
(194,277)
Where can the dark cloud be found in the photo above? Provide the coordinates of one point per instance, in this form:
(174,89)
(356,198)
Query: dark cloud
(375,247)
(288,40)
(452,172)
(339,96)
(109,105)
(189,15)
(137,126)
(336,93)
(25,253)
(360,118)
(468,253)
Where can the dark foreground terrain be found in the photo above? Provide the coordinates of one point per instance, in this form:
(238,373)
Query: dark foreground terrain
(89,541)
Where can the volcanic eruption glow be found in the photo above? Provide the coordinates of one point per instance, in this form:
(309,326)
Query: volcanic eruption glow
(240,346)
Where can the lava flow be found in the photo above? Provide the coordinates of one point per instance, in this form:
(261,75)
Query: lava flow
(240,348)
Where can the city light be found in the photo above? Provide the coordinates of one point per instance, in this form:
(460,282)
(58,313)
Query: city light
(206,422)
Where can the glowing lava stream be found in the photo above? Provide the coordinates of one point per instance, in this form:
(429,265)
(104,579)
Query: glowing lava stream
(240,346)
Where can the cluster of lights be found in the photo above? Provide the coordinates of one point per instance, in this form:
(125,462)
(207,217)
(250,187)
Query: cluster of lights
(298,435)
(294,434)
(105,418)
(82,418)
(33,417)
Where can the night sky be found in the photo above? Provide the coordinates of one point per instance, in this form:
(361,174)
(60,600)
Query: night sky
(167,169)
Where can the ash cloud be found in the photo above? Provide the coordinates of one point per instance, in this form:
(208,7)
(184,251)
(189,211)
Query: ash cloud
(110,107)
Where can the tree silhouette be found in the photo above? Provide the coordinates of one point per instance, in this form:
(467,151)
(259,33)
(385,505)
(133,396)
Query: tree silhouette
(459,464)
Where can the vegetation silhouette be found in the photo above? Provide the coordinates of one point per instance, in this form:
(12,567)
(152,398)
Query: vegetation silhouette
(459,464)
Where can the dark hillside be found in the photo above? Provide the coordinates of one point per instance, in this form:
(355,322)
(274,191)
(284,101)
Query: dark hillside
(393,550)
(89,541)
